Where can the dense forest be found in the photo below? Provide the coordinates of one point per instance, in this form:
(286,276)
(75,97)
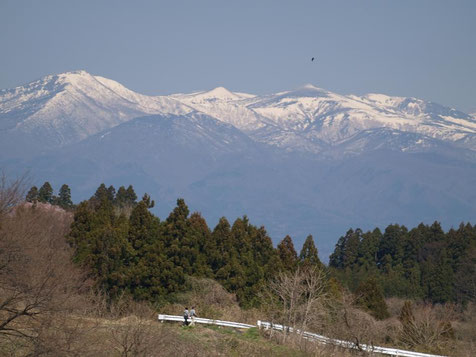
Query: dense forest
(128,249)
(421,263)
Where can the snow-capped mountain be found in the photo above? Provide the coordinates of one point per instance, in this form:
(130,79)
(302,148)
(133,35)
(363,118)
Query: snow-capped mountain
(61,109)
(226,106)
(313,119)
(66,108)
(321,115)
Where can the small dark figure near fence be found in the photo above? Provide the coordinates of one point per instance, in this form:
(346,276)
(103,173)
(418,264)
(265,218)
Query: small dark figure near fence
(186,315)
(193,314)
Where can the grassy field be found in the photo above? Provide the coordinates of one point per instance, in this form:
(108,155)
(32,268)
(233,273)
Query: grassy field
(136,336)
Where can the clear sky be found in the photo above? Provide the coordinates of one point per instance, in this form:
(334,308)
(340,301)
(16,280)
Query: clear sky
(420,48)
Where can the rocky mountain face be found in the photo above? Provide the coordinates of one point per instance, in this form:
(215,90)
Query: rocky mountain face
(299,162)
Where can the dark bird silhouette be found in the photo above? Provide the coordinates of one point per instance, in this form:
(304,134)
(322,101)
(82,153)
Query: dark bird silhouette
(312,59)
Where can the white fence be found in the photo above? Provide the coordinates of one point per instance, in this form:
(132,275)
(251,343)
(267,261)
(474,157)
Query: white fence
(200,320)
(306,335)
(347,344)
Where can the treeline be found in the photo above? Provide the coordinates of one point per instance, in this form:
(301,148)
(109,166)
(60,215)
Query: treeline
(129,250)
(421,263)
(46,195)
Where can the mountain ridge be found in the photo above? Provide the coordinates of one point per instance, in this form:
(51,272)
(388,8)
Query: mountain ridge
(74,105)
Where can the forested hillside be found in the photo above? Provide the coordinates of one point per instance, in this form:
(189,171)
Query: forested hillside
(420,263)
(128,249)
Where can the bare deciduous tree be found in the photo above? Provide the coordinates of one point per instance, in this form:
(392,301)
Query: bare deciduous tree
(11,194)
(428,327)
(40,288)
(315,297)
(134,332)
(353,324)
(300,296)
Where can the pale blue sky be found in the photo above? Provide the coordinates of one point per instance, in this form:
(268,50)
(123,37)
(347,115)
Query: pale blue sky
(420,48)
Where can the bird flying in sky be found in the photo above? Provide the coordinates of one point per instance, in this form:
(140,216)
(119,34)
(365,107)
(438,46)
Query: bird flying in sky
(312,59)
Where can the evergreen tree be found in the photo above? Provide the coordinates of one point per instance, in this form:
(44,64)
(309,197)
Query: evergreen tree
(179,245)
(412,243)
(346,252)
(351,252)
(336,259)
(287,254)
(439,280)
(368,249)
(111,194)
(264,252)
(232,259)
(152,276)
(148,201)
(131,197)
(369,296)
(126,197)
(111,255)
(121,197)
(101,194)
(45,194)
(390,260)
(245,273)
(64,197)
(391,246)
(32,195)
(462,249)
(309,255)
(143,228)
(201,235)
(223,244)
(335,290)
(436,270)
(79,236)
(99,241)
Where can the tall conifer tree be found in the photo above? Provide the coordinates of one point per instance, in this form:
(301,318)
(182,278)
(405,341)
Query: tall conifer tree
(45,194)
(64,197)
(309,255)
(287,254)
(32,195)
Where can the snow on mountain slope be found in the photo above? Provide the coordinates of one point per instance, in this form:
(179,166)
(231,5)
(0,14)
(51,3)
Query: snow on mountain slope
(232,108)
(225,106)
(332,118)
(68,107)
(311,119)
(147,104)
(218,94)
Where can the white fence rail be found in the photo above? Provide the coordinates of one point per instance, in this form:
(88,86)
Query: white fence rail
(200,320)
(306,335)
(347,344)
